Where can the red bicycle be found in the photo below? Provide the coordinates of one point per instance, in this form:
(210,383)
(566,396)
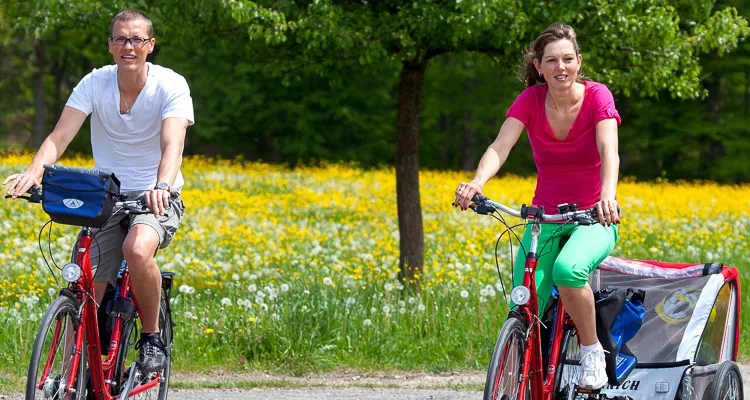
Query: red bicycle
(517,367)
(67,358)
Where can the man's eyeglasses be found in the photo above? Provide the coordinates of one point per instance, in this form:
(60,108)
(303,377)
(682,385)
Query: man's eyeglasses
(135,41)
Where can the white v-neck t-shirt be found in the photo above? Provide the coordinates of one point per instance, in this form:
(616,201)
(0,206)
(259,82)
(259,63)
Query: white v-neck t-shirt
(130,144)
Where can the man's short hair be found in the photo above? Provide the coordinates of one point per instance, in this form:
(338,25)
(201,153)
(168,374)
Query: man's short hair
(130,15)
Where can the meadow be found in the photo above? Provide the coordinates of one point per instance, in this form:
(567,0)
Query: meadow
(294,270)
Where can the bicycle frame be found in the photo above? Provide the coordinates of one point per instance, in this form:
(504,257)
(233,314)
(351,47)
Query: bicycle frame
(542,386)
(102,372)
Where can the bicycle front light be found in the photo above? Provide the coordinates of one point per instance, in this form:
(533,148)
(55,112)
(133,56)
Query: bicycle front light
(520,295)
(71,272)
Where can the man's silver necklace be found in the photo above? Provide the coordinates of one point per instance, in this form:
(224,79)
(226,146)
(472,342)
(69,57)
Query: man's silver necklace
(127,107)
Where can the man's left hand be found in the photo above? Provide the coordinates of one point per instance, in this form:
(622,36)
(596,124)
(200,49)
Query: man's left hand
(157,201)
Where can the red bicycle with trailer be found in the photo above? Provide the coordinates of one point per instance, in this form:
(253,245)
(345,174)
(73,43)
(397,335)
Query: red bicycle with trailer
(694,306)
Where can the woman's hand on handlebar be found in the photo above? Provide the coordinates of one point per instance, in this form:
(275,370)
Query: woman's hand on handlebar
(19,184)
(464,193)
(606,210)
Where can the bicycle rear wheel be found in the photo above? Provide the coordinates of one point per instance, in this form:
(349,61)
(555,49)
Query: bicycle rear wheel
(127,355)
(568,346)
(503,381)
(54,343)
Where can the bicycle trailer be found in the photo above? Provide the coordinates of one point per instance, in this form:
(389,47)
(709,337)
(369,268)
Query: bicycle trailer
(687,345)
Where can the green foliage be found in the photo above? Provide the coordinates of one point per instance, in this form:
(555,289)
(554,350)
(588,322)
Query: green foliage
(340,63)
(634,46)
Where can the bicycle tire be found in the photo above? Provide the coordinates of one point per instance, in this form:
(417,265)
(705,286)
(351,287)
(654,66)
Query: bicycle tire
(63,311)
(128,339)
(563,393)
(505,365)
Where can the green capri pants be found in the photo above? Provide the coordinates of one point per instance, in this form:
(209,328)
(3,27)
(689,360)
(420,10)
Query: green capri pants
(586,248)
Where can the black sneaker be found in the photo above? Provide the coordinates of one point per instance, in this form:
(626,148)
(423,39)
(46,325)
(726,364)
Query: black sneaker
(154,354)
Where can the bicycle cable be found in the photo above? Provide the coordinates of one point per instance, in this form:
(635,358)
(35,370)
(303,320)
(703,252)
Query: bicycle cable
(41,250)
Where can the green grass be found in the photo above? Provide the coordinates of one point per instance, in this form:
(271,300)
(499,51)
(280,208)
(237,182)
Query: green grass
(322,248)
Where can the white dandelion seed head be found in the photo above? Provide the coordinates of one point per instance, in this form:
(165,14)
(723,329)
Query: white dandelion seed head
(253,277)
(412,300)
(306,293)
(401,303)
(402,310)
(284,288)
(226,301)
(185,289)
(264,307)
(373,310)
(387,309)
(464,294)
(421,307)
(327,281)
(388,287)
(252,288)
(235,277)
(367,322)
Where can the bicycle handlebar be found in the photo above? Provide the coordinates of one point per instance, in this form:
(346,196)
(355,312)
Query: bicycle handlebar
(35,195)
(134,207)
(483,205)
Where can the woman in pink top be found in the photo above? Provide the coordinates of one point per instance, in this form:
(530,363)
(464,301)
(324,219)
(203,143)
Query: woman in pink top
(572,127)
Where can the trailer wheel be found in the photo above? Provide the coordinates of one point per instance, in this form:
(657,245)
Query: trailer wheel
(728,382)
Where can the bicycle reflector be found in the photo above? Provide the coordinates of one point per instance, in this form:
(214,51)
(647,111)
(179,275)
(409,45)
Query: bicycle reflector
(520,295)
(71,272)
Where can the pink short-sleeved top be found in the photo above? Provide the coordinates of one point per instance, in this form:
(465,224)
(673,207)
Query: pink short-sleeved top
(568,171)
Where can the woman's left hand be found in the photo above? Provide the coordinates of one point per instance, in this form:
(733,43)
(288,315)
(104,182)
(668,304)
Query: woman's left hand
(607,211)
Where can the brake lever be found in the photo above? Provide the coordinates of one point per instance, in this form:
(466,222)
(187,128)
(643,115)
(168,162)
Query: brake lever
(484,209)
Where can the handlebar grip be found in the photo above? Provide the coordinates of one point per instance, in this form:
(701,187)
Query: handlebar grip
(35,195)
(478,198)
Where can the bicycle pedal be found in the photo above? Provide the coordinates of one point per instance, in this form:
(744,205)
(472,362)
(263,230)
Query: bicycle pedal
(588,393)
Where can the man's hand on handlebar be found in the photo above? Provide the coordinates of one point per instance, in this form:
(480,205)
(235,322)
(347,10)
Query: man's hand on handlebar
(464,193)
(19,184)
(157,201)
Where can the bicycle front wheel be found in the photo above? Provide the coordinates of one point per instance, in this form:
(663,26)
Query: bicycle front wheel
(52,350)
(503,375)
(127,355)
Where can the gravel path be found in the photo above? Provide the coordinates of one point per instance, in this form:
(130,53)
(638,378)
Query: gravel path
(322,393)
(342,385)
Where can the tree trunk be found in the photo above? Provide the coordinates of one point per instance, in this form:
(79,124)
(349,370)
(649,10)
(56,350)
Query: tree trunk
(711,147)
(40,130)
(469,144)
(411,232)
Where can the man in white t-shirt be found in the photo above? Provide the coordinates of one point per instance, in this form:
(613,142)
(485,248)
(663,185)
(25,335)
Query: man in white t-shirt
(139,115)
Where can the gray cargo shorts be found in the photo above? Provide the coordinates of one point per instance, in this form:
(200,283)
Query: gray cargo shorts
(106,247)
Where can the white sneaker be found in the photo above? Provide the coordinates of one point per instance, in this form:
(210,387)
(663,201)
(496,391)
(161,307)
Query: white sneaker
(593,370)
